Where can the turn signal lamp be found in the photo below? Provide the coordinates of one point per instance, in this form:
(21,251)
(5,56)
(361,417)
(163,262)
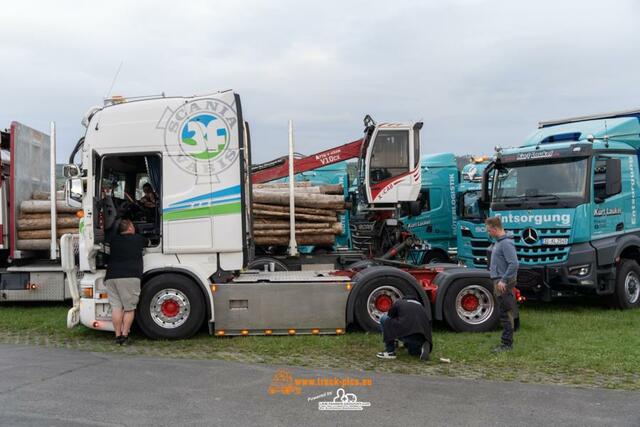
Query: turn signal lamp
(87,292)
(245,332)
(220,333)
(268,332)
(214,288)
(292,331)
(349,286)
(339,331)
(80,214)
(315,331)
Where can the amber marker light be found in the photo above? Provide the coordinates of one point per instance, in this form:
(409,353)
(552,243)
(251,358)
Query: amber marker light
(80,214)
(339,331)
(220,333)
(292,331)
(268,332)
(87,292)
(315,331)
(349,286)
(214,288)
(245,332)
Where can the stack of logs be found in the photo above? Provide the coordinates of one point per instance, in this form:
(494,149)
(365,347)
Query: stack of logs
(316,214)
(34,221)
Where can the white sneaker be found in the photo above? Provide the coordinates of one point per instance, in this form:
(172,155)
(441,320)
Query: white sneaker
(424,353)
(386,355)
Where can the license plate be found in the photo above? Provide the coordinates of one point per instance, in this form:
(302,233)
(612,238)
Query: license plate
(103,311)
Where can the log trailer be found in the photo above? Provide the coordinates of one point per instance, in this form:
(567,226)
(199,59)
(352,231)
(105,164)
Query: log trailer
(195,151)
(30,268)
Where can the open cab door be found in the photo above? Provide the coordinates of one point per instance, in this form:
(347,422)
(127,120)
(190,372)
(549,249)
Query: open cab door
(392,163)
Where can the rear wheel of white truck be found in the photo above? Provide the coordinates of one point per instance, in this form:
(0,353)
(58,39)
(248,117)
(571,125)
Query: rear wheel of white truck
(469,306)
(379,287)
(627,293)
(171,307)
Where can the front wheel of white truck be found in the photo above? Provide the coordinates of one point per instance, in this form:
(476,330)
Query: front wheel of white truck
(171,307)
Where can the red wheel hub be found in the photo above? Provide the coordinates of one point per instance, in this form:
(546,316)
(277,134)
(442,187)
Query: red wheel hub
(170,308)
(383,303)
(470,302)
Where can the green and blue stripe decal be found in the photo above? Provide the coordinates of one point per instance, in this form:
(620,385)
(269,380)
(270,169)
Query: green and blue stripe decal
(221,202)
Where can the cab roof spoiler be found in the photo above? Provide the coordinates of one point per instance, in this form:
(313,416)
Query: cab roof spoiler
(612,115)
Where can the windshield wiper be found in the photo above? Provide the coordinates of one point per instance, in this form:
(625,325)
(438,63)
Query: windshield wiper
(503,198)
(551,196)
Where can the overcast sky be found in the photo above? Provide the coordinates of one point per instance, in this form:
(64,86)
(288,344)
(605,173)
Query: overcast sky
(478,73)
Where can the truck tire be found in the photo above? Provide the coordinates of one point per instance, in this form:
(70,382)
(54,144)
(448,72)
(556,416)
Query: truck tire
(171,307)
(436,257)
(379,288)
(469,306)
(266,263)
(627,291)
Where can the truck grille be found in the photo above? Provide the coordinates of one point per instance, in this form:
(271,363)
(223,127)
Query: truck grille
(363,234)
(536,253)
(479,251)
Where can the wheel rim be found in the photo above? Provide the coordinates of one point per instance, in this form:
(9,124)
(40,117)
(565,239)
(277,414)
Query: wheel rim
(632,287)
(474,304)
(381,300)
(170,308)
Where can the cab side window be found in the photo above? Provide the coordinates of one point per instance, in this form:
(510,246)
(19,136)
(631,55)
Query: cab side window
(599,178)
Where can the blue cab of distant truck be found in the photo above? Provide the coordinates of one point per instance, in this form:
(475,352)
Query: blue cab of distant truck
(471,235)
(569,196)
(434,217)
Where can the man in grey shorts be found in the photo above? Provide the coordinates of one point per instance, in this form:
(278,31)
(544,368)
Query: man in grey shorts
(123,278)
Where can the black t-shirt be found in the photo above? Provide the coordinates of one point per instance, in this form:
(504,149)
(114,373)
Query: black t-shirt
(125,258)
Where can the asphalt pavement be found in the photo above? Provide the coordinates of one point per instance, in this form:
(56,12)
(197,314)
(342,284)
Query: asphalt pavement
(55,387)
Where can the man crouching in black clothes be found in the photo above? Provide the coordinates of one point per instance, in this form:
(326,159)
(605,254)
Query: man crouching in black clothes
(409,322)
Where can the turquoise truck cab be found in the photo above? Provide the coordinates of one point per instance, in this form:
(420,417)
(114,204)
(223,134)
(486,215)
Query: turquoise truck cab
(471,237)
(569,196)
(336,173)
(433,219)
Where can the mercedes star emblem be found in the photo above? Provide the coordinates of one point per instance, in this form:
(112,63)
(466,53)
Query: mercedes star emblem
(530,236)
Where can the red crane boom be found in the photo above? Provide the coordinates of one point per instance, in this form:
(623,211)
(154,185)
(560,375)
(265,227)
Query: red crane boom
(280,168)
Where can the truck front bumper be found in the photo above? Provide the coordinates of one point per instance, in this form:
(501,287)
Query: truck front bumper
(578,275)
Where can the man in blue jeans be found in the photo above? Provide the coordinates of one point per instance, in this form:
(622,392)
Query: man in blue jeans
(409,322)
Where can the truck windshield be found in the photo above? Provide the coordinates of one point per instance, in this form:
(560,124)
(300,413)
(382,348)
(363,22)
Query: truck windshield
(560,182)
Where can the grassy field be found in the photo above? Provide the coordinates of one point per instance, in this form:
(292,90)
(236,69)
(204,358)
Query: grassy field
(580,344)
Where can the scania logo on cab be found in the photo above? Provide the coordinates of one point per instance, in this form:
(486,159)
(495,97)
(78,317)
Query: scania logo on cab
(197,136)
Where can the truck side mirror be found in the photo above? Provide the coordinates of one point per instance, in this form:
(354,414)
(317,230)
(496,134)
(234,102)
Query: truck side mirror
(415,208)
(485,197)
(613,179)
(73,191)
(70,171)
